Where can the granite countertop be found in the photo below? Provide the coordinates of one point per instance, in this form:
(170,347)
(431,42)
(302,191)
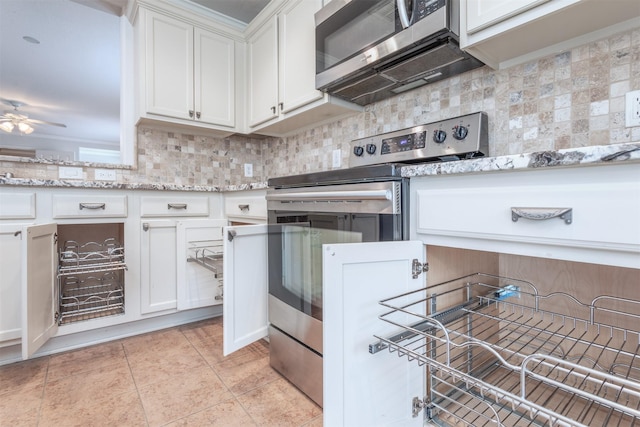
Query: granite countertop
(55,183)
(600,154)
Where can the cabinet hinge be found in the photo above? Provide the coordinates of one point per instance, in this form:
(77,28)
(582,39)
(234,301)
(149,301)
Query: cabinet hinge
(418,405)
(55,238)
(230,235)
(417,267)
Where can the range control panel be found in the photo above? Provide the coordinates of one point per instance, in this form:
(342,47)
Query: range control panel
(462,137)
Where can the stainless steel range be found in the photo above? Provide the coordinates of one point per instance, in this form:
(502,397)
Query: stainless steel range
(365,203)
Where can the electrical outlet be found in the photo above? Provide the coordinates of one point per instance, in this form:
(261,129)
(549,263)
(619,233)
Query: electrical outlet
(336,158)
(248,170)
(66,172)
(632,108)
(105,175)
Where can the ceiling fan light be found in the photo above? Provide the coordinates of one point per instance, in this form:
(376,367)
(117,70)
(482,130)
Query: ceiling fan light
(25,128)
(6,126)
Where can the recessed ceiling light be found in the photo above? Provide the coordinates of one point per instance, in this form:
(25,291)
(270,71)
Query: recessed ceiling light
(31,39)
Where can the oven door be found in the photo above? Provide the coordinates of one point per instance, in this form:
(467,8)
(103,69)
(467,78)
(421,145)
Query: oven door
(302,220)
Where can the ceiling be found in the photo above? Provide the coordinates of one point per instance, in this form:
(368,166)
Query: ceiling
(72,76)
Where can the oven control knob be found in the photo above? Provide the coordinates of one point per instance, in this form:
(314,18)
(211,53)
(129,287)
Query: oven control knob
(358,150)
(371,148)
(439,136)
(460,132)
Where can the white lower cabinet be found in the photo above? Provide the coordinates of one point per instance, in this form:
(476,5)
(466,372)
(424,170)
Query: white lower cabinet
(199,263)
(245,286)
(461,222)
(10,284)
(158,266)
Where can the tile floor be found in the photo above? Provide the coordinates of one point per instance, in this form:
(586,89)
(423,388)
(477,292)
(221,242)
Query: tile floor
(172,377)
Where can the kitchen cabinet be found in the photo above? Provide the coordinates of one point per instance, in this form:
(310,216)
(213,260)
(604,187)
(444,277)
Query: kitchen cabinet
(281,77)
(593,253)
(31,304)
(248,207)
(245,286)
(187,73)
(505,33)
(199,263)
(10,284)
(162,251)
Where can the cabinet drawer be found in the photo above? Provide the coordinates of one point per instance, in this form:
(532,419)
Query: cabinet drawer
(174,206)
(18,206)
(242,205)
(90,206)
(604,203)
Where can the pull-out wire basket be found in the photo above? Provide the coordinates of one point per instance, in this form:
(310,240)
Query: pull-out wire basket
(208,254)
(90,280)
(504,355)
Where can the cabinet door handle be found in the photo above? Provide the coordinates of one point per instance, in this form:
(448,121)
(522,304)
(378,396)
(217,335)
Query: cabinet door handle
(177,206)
(145,226)
(93,206)
(273,109)
(191,113)
(281,105)
(197,114)
(540,214)
(243,208)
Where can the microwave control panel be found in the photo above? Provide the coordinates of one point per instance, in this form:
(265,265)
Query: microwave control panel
(451,139)
(424,8)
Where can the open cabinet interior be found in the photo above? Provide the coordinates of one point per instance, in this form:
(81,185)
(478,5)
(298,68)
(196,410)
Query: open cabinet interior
(90,271)
(528,341)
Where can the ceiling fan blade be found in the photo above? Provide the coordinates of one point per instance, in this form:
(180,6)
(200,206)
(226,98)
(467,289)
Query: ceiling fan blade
(42,122)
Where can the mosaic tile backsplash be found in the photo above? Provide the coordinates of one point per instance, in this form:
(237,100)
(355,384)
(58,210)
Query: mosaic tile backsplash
(573,99)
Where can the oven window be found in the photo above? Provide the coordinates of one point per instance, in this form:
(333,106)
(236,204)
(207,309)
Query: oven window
(295,251)
(354,28)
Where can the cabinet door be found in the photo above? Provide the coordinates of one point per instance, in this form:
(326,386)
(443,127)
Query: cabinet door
(169,66)
(483,13)
(362,388)
(10,282)
(39,290)
(158,275)
(245,286)
(214,80)
(297,55)
(263,73)
(199,262)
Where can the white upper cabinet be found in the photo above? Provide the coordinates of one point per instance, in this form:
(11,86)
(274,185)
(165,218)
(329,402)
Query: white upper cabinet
(281,72)
(187,73)
(503,33)
(263,73)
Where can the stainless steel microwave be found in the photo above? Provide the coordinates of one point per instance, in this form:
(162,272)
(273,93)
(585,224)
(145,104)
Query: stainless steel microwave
(368,50)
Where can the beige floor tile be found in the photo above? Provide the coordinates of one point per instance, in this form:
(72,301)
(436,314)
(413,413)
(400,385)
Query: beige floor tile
(21,406)
(23,375)
(158,366)
(160,342)
(279,404)
(89,385)
(123,409)
(181,395)
(316,422)
(86,359)
(229,413)
(246,372)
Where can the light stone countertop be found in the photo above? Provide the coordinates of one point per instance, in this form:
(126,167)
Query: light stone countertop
(600,154)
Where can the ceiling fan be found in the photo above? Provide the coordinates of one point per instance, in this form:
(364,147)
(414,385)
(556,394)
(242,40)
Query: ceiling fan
(15,119)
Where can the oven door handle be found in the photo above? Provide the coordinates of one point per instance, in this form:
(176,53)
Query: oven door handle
(330,196)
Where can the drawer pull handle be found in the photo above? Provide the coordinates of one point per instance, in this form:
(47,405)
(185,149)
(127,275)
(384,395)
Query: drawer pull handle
(177,206)
(244,208)
(93,206)
(539,214)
